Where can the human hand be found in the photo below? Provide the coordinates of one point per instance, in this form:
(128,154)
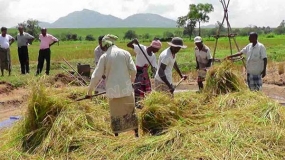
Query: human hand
(88,96)
(171,89)
(263,73)
(184,77)
(135,41)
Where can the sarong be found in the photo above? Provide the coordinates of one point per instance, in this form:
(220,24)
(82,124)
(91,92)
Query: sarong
(142,82)
(5,59)
(123,116)
(254,82)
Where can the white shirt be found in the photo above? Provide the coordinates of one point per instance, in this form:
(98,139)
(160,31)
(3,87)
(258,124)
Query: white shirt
(254,58)
(98,53)
(203,56)
(4,41)
(140,58)
(23,39)
(119,68)
(166,58)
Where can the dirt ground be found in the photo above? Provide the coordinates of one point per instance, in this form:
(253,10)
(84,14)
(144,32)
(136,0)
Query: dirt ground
(13,100)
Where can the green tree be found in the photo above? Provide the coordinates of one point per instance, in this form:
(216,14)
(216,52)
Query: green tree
(168,34)
(197,13)
(130,34)
(31,26)
(281,28)
(89,37)
(188,24)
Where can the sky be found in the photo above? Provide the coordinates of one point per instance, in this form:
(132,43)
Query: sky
(242,13)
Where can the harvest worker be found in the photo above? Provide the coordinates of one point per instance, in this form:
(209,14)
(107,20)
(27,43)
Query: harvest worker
(256,62)
(47,40)
(145,57)
(120,71)
(166,62)
(5,58)
(24,39)
(203,60)
(98,53)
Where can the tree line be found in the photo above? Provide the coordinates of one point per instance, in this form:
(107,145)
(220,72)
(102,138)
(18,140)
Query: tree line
(188,28)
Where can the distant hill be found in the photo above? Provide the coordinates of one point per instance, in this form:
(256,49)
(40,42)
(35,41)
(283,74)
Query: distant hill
(209,26)
(92,19)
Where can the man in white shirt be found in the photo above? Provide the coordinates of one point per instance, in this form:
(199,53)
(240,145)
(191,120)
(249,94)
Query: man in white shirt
(256,62)
(47,40)
(166,62)
(98,52)
(120,71)
(24,39)
(203,60)
(5,58)
(145,57)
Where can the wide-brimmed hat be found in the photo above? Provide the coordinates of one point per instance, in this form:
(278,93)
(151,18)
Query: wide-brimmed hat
(177,42)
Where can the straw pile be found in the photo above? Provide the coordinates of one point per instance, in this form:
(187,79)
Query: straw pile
(237,125)
(223,79)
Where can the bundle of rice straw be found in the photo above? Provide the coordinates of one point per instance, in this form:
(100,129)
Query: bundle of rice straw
(159,113)
(223,79)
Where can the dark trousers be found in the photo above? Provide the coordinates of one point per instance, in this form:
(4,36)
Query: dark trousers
(24,59)
(44,54)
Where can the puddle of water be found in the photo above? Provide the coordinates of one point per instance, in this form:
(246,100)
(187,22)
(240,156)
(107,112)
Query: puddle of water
(9,122)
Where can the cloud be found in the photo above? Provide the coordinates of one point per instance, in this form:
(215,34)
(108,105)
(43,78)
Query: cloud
(241,12)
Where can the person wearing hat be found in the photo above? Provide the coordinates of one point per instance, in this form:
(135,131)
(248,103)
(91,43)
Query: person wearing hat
(47,40)
(5,58)
(256,62)
(203,60)
(166,62)
(120,71)
(145,57)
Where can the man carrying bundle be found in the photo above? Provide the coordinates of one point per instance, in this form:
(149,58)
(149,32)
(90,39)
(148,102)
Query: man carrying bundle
(203,60)
(166,62)
(119,68)
(145,57)
(256,62)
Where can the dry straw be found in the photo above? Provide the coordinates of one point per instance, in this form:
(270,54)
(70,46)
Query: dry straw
(232,125)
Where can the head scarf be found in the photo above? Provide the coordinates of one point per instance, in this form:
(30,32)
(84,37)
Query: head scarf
(156,44)
(108,40)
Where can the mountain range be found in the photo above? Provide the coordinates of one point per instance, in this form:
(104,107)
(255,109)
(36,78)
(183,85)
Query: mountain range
(92,19)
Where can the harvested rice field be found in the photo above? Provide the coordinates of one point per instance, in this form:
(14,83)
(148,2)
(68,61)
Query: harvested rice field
(225,121)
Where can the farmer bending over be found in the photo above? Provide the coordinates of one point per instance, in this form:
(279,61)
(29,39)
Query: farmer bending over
(166,62)
(120,71)
(145,57)
(203,60)
(256,62)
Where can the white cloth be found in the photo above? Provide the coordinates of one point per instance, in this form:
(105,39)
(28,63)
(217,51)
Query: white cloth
(254,58)
(120,71)
(203,56)
(4,41)
(97,54)
(140,58)
(166,58)
(22,40)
